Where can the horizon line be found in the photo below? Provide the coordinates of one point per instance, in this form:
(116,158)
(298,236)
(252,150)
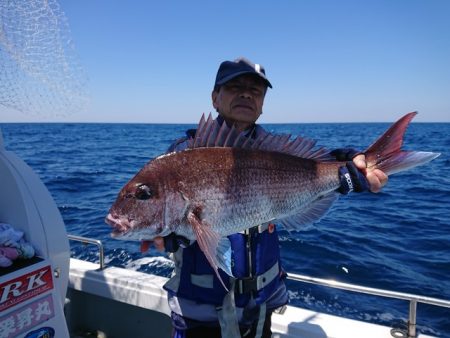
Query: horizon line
(195,123)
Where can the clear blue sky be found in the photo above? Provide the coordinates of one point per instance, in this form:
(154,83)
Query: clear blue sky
(328,61)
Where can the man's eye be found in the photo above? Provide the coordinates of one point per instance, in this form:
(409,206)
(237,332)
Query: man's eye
(235,88)
(143,192)
(256,92)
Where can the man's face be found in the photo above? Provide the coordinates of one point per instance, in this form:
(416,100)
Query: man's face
(240,100)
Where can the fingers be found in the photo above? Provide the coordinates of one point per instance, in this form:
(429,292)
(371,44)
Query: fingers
(145,245)
(376,178)
(158,243)
(360,161)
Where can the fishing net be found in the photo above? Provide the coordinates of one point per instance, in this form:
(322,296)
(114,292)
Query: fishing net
(40,73)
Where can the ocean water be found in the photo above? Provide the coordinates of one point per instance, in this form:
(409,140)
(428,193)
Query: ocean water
(398,239)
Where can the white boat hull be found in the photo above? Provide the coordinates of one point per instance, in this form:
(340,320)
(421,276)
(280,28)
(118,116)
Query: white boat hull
(133,304)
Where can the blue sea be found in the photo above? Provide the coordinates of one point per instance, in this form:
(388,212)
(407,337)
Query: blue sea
(398,239)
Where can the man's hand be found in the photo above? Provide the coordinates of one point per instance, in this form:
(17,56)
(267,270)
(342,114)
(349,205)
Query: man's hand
(375,177)
(158,243)
(169,243)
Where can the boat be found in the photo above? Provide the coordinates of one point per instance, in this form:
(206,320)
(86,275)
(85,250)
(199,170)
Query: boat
(55,295)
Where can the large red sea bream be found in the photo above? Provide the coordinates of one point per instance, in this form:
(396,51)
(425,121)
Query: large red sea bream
(224,183)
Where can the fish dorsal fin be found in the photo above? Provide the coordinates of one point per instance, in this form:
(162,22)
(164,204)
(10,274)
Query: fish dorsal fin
(210,133)
(311,214)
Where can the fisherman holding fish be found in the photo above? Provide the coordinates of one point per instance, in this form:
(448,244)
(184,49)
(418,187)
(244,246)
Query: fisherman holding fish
(201,307)
(214,198)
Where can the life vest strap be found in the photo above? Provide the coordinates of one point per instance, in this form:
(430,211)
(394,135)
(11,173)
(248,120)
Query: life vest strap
(261,228)
(203,281)
(261,320)
(256,283)
(227,315)
(244,285)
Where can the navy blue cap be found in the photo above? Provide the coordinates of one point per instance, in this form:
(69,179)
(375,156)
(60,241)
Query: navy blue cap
(228,70)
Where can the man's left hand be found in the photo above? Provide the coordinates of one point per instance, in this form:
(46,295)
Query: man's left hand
(376,178)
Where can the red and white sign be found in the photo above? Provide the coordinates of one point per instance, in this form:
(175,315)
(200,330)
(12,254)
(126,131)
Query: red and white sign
(27,317)
(24,287)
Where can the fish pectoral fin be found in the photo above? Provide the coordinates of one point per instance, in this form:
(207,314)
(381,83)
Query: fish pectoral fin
(312,213)
(223,255)
(208,241)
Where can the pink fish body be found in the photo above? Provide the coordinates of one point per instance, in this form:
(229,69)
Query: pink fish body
(225,183)
(231,189)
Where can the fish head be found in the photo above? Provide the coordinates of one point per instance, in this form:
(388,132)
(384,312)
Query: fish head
(138,212)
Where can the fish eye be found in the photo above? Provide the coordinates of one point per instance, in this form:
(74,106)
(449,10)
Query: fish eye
(143,192)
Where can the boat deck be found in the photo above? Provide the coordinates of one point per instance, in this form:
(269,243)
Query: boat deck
(116,302)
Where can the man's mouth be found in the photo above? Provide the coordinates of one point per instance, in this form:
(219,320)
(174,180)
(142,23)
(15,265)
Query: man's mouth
(242,106)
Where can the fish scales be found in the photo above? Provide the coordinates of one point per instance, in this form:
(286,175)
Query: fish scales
(238,188)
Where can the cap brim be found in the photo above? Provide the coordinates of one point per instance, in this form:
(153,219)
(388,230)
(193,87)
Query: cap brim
(234,75)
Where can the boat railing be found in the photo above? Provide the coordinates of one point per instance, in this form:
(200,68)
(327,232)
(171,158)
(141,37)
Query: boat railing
(413,299)
(96,242)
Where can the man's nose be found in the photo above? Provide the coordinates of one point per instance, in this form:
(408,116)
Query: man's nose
(245,93)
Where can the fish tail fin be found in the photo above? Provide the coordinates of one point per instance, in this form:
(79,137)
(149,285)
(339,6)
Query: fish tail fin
(386,154)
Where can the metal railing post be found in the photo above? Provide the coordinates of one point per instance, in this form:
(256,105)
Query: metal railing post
(412,318)
(96,242)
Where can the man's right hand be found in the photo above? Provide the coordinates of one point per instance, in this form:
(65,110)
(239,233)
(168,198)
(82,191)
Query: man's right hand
(158,242)
(169,243)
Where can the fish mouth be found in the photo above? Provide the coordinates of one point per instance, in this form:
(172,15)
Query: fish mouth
(125,228)
(120,225)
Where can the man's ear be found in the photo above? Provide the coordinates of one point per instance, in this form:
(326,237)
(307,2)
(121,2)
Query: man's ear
(214,95)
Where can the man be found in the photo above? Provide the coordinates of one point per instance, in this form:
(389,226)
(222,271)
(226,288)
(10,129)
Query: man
(200,306)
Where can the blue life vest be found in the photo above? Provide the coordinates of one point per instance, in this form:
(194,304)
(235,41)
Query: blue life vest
(255,262)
